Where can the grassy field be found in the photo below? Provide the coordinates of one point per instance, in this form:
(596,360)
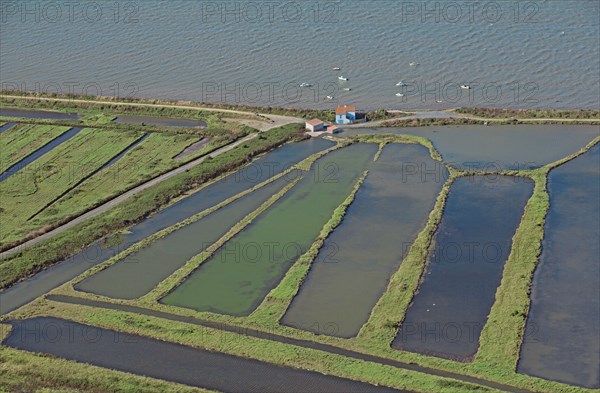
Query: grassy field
(135,209)
(39,183)
(325,115)
(152,157)
(23,139)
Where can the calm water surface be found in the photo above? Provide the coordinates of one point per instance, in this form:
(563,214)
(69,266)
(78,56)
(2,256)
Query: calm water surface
(562,340)
(354,265)
(498,147)
(169,361)
(138,273)
(37,114)
(242,272)
(258,171)
(464,269)
(513,54)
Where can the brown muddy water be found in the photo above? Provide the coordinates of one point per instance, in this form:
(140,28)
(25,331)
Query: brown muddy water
(169,361)
(562,338)
(355,264)
(465,266)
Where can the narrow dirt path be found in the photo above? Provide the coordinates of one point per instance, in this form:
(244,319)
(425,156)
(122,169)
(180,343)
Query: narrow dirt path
(107,205)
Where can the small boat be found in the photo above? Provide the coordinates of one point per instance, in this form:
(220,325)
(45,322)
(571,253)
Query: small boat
(399,95)
(466,87)
(336,69)
(342,78)
(439,101)
(329,97)
(347,89)
(414,64)
(305,85)
(401,84)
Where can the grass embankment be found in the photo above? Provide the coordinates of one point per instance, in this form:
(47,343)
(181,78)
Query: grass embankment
(531,113)
(255,111)
(33,187)
(137,208)
(250,347)
(383,139)
(102,114)
(21,140)
(273,307)
(27,372)
(502,336)
(152,157)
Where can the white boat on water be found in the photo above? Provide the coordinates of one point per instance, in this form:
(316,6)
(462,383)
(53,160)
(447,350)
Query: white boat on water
(336,69)
(466,87)
(342,78)
(329,97)
(347,89)
(399,95)
(305,85)
(401,84)
(414,64)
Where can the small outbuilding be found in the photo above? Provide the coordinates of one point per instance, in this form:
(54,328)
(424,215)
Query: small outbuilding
(315,125)
(345,114)
(333,129)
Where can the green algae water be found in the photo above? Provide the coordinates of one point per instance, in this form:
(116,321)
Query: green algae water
(357,260)
(139,272)
(240,274)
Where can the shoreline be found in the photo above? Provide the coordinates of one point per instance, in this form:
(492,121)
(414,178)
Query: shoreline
(271,116)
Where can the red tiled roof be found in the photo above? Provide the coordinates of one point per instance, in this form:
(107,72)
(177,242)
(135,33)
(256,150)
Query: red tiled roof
(314,122)
(342,110)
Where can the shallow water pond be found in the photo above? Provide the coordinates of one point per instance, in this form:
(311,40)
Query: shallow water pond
(562,339)
(498,147)
(357,260)
(465,266)
(139,272)
(239,275)
(169,361)
(37,114)
(262,169)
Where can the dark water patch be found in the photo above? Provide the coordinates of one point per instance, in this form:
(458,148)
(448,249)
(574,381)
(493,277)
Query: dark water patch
(86,178)
(38,153)
(562,339)
(357,260)
(465,266)
(246,331)
(262,169)
(160,121)
(499,147)
(37,114)
(6,127)
(242,272)
(169,361)
(138,273)
(193,148)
